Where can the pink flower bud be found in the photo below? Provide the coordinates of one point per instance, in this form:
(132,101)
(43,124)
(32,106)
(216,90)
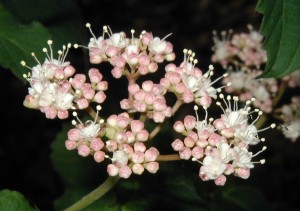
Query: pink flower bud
(137,157)
(144,59)
(96,144)
(111,145)
(99,156)
(152,167)
(96,55)
(147,86)
(146,38)
(130,137)
(125,104)
(78,81)
(95,75)
(99,97)
(189,142)
(125,172)
(165,82)
(158,117)
(159,104)
(59,74)
(139,147)
(189,122)
(74,134)
(140,106)
(137,168)
(82,103)
(127,149)
(50,112)
(149,98)
(197,152)
(173,77)
(151,154)
(229,169)
(31,102)
(112,120)
(152,67)
(83,150)
(102,86)
(142,135)
(185,153)
(117,72)
(122,121)
(177,145)
(158,58)
(244,173)
(69,71)
(112,170)
(112,51)
(180,88)
(120,62)
(204,101)
(62,114)
(187,96)
(136,126)
(202,143)
(140,95)
(214,139)
(170,57)
(179,127)
(70,145)
(143,70)
(220,180)
(87,91)
(133,88)
(228,132)
(219,124)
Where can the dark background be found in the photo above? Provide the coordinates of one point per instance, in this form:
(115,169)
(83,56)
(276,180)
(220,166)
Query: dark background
(26,135)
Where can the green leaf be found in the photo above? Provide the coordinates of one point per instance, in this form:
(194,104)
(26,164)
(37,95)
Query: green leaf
(17,41)
(281,29)
(239,199)
(63,19)
(13,200)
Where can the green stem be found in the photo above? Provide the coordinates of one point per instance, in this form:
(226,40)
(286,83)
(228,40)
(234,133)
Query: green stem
(108,184)
(172,157)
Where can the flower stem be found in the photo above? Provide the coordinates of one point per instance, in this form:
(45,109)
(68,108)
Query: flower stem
(107,185)
(172,157)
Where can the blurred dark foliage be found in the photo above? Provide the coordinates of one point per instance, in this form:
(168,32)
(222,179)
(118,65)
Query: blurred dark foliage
(26,135)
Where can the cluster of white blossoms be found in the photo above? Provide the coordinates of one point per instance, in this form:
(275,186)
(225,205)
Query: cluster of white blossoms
(54,92)
(221,146)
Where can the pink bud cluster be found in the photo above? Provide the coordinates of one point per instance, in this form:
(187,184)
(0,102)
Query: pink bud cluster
(54,92)
(244,51)
(141,54)
(189,83)
(221,146)
(148,99)
(121,139)
(290,115)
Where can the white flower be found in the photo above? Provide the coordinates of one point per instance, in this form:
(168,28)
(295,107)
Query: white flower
(90,130)
(120,157)
(157,45)
(293,130)
(242,158)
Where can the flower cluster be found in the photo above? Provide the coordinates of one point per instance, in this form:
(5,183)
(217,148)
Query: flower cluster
(189,83)
(244,52)
(120,139)
(221,146)
(54,92)
(290,115)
